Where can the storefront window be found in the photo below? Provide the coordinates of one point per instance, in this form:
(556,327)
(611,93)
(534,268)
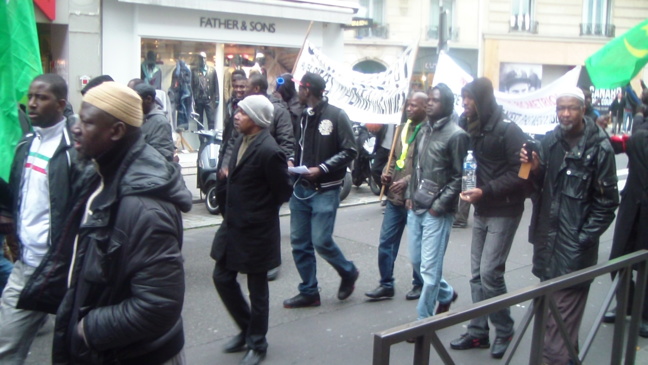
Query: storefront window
(167,64)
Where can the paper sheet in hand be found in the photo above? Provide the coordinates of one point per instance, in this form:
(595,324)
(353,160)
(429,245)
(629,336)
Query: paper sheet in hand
(298,170)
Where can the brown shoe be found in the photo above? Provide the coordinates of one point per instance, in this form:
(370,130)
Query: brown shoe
(442,308)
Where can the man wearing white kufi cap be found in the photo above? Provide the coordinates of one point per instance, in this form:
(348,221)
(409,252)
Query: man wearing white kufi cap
(249,239)
(126,284)
(575,171)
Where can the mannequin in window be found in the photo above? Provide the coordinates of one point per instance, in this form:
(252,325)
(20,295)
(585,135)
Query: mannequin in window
(151,72)
(180,93)
(204,84)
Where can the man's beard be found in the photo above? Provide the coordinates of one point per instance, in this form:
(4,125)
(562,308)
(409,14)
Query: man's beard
(566,127)
(83,160)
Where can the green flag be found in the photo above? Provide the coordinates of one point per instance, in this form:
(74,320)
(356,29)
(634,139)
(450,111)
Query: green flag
(621,59)
(19,64)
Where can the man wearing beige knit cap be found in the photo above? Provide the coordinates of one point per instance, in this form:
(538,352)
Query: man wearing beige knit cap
(249,239)
(126,284)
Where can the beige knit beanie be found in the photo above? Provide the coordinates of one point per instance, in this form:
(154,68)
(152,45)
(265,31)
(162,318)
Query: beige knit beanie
(117,100)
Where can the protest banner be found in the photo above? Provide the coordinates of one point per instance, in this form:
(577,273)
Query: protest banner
(534,112)
(366,98)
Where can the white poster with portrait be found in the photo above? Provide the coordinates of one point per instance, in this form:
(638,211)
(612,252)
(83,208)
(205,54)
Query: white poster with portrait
(519,78)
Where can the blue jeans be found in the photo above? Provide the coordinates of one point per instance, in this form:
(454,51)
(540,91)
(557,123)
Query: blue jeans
(312,219)
(428,239)
(391,232)
(491,244)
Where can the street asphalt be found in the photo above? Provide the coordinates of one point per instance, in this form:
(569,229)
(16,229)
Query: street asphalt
(341,332)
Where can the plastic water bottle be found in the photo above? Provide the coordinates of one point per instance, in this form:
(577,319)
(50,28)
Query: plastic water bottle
(469,180)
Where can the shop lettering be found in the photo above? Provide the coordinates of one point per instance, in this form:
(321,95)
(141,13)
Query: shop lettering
(233,24)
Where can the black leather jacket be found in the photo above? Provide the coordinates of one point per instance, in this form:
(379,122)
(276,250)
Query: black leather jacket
(582,200)
(440,151)
(326,140)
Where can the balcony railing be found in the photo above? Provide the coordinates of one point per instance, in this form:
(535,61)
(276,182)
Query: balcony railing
(432,32)
(605,30)
(523,23)
(375,31)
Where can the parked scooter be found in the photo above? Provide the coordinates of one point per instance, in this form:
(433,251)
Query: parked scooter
(206,176)
(361,166)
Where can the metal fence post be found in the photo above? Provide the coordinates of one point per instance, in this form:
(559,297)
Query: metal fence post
(539,325)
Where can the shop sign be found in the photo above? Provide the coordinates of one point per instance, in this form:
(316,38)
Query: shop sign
(237,24)
(359,23)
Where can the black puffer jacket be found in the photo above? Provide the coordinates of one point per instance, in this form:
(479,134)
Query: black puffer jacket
(127,282)
(325,139)
(496,147)
(582,199)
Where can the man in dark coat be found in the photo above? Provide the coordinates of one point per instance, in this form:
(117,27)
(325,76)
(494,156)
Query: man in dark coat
(631,231)
(249,239)
(156,128)
(126,284)
(574,172)
(498,199)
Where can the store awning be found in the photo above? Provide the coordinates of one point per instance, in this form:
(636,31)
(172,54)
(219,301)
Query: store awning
(339,12)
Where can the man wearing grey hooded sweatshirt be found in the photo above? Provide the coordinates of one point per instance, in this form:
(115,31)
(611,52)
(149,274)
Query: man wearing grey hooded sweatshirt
(499,203)
(156,128)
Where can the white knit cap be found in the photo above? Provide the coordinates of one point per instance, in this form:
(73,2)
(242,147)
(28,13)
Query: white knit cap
(572,92)
(259,108)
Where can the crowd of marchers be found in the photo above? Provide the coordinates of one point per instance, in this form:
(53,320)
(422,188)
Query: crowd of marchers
(94,205)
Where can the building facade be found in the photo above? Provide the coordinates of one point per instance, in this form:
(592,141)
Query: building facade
(87,38)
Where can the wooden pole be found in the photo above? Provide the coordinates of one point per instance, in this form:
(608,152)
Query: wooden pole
(389,161)
(310,26)
(397,133)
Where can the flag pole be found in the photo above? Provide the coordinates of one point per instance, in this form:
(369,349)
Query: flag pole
(310,26)
(398,129)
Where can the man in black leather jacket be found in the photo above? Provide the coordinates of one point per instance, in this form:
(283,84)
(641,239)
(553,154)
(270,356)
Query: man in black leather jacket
(325,146)
(126,284)
(576,196)
(499,203)
(438,158)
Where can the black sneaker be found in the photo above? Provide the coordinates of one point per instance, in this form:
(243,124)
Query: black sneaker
(414,294)
(380,292)
(302,301)
(499,346)
(348,285)
(466,342)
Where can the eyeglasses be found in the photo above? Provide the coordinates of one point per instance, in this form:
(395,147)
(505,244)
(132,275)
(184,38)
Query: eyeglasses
(568,108)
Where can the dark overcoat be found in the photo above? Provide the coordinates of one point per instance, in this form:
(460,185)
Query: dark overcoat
(249,239)
(631,231)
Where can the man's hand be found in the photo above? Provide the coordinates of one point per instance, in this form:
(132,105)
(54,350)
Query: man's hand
(408,204)
(222,173)
(471,195)
(313,174)
(291,163)
(524,158)
(398,186)
(385,179)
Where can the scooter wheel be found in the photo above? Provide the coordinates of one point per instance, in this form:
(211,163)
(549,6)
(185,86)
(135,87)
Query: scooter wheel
(210,200)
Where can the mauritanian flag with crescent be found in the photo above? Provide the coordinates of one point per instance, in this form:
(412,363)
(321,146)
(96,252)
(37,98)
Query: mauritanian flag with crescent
(621,59)
(19,64)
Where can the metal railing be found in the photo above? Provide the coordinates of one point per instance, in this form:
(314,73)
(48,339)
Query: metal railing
(425,331)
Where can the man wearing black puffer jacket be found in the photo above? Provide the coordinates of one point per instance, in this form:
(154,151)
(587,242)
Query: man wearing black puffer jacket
(126,284)
(499,203)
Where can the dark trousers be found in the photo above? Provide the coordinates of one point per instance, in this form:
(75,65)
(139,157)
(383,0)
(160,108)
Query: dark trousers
(252,320)
(206,107)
